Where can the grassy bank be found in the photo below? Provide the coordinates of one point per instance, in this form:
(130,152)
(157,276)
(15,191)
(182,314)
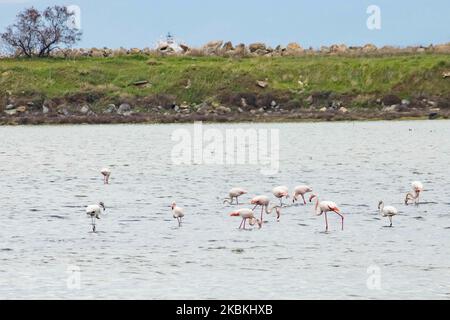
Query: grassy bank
(292,82)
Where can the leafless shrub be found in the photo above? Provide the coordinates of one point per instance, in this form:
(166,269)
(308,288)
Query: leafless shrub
(38,33)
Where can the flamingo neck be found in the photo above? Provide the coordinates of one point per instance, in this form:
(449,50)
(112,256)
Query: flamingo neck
(317,203)
(269,211)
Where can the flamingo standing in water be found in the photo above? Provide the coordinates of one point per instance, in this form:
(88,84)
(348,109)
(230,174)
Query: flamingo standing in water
(417,187)
(387,211)
(264,202)
(246,214)
(301,191)
(235,193)
(178,213)
(281,192)
(95,211)
(325,207)
(106,172)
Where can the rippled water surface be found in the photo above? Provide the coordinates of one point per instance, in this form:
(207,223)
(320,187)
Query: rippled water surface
(49,174)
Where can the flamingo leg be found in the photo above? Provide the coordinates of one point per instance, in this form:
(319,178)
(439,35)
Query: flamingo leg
(390,219)
(342,218)
(281,201)
(262,212)
(240,226)
(244,223)
(93,223)
(304,201)
(326,221)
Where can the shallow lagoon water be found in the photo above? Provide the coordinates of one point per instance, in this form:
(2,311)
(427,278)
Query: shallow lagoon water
(48,174)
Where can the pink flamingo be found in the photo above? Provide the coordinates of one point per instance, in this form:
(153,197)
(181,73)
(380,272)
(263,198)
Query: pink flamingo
(235,193)
(325,207)
(106,172)
(246,214)
(417,187)
(280,193)
(178,213)
(264,202)
(301,191)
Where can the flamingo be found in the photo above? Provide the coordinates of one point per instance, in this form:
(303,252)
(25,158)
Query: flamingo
(95,211)
(106,172)
(387,211)
(264,202)
(235,193)
(325,207)
(281,192)
(301,191)
(417,187)
(178,213)
(246,214)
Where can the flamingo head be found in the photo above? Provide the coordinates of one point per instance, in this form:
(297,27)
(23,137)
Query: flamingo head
(234,214)
(380,204)
(408,197)
(101,204)
(254,221)
(312,197)
(173,205)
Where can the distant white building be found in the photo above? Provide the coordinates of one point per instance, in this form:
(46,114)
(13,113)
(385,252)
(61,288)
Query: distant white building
(169,44)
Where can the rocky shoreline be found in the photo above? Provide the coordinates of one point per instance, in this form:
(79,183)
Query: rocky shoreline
(222,48)
(125,113)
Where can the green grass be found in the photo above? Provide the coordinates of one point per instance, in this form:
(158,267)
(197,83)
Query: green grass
(209,77)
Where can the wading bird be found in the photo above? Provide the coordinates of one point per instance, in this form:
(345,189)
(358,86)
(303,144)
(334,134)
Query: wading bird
(387,211)
(280,193)
(178,213)
(417,187)
(325,207)
(246,214)
(106,172)
(234,193)
(264,202)
(95,211)
(301,191)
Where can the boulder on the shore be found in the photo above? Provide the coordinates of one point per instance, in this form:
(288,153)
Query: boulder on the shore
(338,48)
(85,109)
(124,109)
(292,48)
(228,46)
(369,48)
(391,99)
(262,83)
(212,47)
(258,46)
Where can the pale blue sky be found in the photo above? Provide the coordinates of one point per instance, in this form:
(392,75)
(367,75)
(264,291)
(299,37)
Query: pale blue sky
(139,23)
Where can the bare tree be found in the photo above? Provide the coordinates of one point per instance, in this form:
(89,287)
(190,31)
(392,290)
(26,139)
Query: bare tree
(39,33)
